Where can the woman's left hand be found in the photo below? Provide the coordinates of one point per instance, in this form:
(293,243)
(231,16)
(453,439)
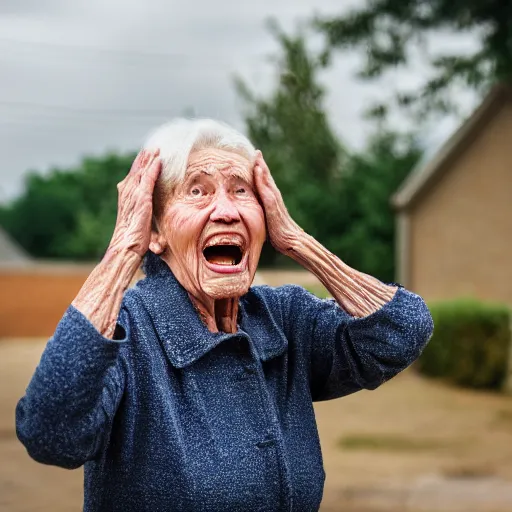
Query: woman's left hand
(357,293)
(283,231)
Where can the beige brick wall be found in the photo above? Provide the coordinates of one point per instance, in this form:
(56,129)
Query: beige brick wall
(461,229)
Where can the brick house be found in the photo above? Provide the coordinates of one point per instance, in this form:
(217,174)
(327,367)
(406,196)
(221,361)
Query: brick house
(454,213)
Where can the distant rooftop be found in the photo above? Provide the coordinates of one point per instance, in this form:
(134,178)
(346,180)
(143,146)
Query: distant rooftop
(10,251)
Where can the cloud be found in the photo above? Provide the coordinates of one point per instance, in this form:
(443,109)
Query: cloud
(31,7)
(83,77)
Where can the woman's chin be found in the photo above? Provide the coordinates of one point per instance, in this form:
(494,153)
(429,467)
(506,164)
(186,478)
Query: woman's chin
(226,286)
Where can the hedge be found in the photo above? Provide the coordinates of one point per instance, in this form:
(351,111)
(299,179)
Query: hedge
(470,344)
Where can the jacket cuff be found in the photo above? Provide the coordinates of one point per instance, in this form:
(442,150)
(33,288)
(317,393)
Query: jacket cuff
(397,333)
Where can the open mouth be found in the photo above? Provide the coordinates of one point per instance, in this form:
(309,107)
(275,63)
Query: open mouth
(226,253)
(223,254)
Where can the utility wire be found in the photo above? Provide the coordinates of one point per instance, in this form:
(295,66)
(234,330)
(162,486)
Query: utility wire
(81,114)
(79,110)
(94,49)
(161,58)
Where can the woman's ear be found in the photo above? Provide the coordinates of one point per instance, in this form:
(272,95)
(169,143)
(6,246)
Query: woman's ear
(157,244)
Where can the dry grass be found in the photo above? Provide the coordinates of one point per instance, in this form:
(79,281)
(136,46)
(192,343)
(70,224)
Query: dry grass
(467,472)
(409,428)
(504,417)
(387,443)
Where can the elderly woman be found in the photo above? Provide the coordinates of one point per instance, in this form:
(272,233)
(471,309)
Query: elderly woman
(193,391)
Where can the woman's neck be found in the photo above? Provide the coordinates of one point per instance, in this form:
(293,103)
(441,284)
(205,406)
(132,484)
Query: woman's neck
(218,315)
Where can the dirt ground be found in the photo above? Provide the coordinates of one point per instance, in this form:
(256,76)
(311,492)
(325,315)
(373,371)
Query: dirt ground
(413,445)
(377,445)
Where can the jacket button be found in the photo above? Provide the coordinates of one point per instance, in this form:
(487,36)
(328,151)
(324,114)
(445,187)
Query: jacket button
(247,372)
(250,370)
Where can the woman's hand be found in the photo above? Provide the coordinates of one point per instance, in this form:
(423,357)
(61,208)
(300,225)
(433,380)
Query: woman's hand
(357,293)
(283,232)
(99,299)
(135,205)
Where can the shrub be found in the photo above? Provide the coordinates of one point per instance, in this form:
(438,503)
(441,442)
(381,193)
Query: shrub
(470,344)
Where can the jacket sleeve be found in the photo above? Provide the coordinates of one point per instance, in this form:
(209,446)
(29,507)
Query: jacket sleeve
(65,416)
(348,354)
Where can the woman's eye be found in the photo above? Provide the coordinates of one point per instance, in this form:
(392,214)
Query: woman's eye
(241,190)
(196,191)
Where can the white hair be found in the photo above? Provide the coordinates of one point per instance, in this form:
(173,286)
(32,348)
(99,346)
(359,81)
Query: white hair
(180,137)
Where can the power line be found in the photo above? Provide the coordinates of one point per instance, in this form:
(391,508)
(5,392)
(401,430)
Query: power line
(94,49)
(87,123)
(87,111)
(152,57)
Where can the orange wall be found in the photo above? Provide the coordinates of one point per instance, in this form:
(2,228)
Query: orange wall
(33,299)
(461,230)
(31,303)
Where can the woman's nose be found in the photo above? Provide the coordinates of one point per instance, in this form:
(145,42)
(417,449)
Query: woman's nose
(224,210)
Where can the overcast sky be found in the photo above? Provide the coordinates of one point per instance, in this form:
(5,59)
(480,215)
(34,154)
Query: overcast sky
(85,77)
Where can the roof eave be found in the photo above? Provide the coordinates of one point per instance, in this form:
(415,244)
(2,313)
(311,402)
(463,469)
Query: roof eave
(417,180)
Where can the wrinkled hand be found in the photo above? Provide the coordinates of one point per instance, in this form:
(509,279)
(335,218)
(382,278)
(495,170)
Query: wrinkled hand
(135,204)
(283,232)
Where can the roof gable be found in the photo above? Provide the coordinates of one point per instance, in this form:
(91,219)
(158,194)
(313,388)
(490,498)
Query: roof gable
(10,251)
(422,178)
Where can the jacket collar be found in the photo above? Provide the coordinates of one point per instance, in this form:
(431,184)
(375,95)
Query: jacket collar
(185,338)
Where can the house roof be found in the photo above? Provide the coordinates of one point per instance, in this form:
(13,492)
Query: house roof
(422,178)
(11,252)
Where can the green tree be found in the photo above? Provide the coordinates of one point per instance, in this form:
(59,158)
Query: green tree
(367,220)
(291,127)
(339,197)
(388,30)
(68,213)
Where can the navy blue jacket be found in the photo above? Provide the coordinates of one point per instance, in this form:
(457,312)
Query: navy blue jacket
(174,418)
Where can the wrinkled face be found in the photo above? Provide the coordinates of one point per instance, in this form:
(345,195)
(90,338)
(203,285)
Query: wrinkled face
(214,226)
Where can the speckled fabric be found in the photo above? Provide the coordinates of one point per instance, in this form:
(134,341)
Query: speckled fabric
(174,418)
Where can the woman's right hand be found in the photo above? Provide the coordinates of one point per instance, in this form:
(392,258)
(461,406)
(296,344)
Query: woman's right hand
(135,204)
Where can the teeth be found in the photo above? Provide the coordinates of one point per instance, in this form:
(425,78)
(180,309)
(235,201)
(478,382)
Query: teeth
(225,240)
(221,260)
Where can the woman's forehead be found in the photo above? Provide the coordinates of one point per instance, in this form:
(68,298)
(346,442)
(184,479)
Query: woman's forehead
(210,161)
